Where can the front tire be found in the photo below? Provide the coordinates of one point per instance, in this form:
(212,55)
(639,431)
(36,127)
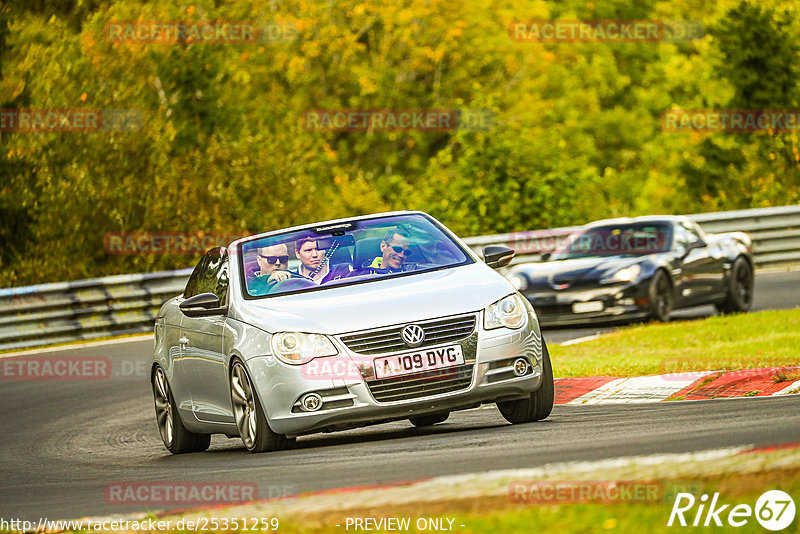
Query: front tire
(538,404)
(177,439)
(429,420)
(254,430)
(740,288)
(661,297)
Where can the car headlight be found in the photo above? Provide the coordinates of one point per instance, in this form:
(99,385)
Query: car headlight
(628,274)
(519,281)
(508,312)
(296,348)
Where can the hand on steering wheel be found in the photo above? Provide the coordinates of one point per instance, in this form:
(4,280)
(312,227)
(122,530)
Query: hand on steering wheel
(279,276)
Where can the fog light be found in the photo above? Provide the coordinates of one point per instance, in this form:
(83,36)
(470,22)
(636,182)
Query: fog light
(520,366)
(311,402)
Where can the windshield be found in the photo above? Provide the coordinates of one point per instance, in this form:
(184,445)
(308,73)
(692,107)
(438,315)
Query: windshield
(346,253)
(634,239)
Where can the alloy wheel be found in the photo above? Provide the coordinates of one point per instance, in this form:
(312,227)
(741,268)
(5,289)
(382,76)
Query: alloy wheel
(244,409)
(163,406)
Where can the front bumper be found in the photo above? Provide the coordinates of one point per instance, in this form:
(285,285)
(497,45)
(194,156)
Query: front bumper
(348,390)
(617,302)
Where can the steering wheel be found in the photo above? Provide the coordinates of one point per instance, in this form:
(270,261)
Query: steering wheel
(290,283)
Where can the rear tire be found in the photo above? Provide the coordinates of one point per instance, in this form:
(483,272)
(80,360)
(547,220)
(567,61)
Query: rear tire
(740,288)
(538,404)
(254,430)
(429,420)
(177,439)
(661,297)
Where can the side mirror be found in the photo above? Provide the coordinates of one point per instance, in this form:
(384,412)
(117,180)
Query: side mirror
(202,305)
(545,256)
(497,256)
(691,246)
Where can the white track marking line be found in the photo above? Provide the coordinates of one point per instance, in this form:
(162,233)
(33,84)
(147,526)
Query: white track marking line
(31,352)
(579,340)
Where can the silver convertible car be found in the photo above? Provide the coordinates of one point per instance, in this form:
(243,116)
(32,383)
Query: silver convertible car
(342,324)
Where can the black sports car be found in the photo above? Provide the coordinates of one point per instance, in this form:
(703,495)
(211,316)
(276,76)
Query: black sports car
(638,268)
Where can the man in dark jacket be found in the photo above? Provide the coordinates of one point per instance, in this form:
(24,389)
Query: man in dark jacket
(314,264)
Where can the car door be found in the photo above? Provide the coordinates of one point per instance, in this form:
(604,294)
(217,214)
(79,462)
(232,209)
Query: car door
(700,266)
(204,361)
(174,338)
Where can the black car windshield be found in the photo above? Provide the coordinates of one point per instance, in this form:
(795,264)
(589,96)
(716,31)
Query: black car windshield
(345,253)
(632,239)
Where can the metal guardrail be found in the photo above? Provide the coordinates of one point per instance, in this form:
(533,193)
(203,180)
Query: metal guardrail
(775,233)
(45,314)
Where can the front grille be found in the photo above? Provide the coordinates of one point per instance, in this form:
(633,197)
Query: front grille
(423,384)
(448,329)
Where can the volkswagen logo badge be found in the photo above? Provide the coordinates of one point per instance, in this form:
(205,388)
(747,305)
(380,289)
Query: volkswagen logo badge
(413,335)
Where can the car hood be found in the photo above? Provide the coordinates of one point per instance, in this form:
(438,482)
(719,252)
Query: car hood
(380,303)
(568,272)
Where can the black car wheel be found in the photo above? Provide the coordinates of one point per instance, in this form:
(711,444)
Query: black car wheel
(661,297)
(428,420)
(740,288)
(177,439)
(254,430)
(538,404)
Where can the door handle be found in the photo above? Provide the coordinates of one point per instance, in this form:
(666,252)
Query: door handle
(183,340)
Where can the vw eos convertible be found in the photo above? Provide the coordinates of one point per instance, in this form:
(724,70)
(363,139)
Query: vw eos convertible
(343,324)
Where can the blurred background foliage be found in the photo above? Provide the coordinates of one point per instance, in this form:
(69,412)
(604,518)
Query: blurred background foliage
(222,145)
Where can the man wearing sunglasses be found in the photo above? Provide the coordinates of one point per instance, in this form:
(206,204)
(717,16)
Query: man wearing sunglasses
(271,259)
(395,250)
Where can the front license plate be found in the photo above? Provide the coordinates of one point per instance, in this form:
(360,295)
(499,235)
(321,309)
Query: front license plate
(419,361)
(586,307)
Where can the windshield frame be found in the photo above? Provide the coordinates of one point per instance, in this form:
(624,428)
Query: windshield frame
(468,254)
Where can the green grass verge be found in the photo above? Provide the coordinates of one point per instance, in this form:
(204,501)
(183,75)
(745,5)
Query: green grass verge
(743,341)
(498,515)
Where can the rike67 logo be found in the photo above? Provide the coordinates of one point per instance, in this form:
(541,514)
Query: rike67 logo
(774,510)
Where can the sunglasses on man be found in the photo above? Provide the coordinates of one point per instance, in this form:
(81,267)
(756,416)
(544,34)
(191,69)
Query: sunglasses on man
(405,251)
(272,260)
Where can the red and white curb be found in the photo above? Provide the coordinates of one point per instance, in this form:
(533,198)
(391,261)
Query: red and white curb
(700,385)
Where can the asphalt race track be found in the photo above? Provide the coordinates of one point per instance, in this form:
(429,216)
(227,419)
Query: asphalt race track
(64,441)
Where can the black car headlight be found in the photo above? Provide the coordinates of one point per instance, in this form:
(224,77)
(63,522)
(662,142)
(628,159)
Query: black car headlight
(628,274)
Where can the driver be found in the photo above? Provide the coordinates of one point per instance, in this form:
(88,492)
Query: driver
(395,250)
(272,259)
